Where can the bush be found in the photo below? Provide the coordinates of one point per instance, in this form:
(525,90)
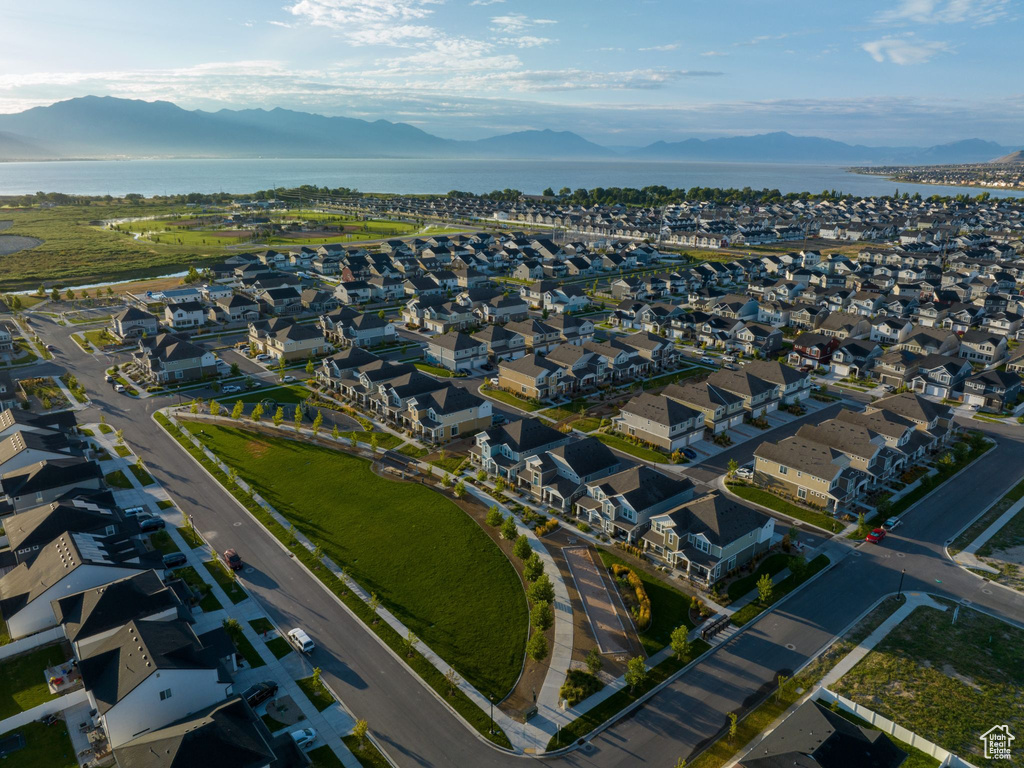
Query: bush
(578,686)
(545,528)
(583,527)
(638,601)
(537,647)
(494,517)
(541,617)
(522,548)
(509,532)
(533,567)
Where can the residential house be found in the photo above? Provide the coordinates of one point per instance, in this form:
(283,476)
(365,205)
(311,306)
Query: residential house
(132,323)
(283,338)
(984,347)
(661,421)
(346,327)
(793,385)
(456,351)
(623,504)
(759,396)
(187,314)
(938,375)
(722,409)
(809,471)
(235,308)
(502,451)
(167,357)
(532,377)
(845,325)
(812,349)
(558,477)
(446,414)
(8,392)
(758,340)
(503,309)
(502,344)
(855,357)
(994,391)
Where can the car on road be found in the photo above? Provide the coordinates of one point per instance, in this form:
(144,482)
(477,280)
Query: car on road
(119,387)
(745,473)
(287,379)
(109,379)
(729,358)
(149,523)
(892,522)
(256,694)
(232,560)
(493,381)
(174,559)
(876,536)
(51,348)
(707,360)
(498,419)
(231,389)
(304,738)
(302,642)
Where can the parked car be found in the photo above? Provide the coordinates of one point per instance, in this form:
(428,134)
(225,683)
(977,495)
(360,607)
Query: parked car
(876,536)
(729,358)
(493,381)
(263,358)
(231,389)
(256,694)
(707,360)
(731,367)
(148,523)
(232,560)
(288,378)
(119,387)
(174,559)
(304,738)
(302,642)
(689,453)
(498,419)
(134,511)
(108,378)
(745,473)
(892,522)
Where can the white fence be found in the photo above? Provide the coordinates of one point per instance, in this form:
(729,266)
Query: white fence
(946,757)
(46,708)
(31,642)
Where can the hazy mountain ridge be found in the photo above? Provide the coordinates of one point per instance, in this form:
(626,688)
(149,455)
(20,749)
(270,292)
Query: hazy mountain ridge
(105,127)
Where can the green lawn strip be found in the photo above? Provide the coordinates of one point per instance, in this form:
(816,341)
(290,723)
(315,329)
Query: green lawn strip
(915,757)
(509,399)
(317,694)
(669,607)
(751,610)
(190,536)
(449,464)
(980,525)
(289,394)
(413,451)
(586,424)
(561,412)
(77,390)
(620,444)
(99,338)
(141,475)
(274,725)
(163,543)
(930,483)
(23,682)
(430,674)
(190,576)
(279,647)
(373,525)
(123,451)
(106,429)
(672,378)
(770,565)
(614,704)
(46,746)
(261,625)
(117,479)
(385,440)
(231,587)
(955,680)
(367,754)
(165,504)
(434,369)
(244,647)
(770,500)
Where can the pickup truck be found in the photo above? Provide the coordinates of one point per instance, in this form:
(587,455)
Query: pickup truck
(300,640)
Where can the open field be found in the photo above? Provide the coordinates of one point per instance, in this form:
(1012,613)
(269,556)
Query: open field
(463,597)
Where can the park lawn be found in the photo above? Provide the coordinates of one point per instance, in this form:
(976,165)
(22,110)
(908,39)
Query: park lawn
(464,598)
(620,444)
(367,754)
(955,680)
(190,576)
(753,609)
(509,399)
(434,369)
(413,451)
(317,694)
(100,338)
(670,608)
(561,412)
(141,475)
(278,646)
(980,525)
(231,587)
(46,746)
(770,565)
(163,543)
(117,479)
(23,682)
(770,500)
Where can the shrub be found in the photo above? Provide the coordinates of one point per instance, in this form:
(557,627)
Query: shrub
(537,647)
(541,617)
(508,529)
(542,590)
(547,527)
(578,686)
(533,567)
(494,517)
(522,548)
(583,527)
(637,600)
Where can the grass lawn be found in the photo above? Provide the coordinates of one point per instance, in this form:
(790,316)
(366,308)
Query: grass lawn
(165,504)
(231,587)
(261,625)
(385,440)
(289,394)
(163,543)
(982,523)
(434,369)
(106,429)
(324,757)
(245,648)
(190,576)
(619,444)
(560,412)
(117,479)
(463,599)
(753,609)
(191,537)
(586,424)
(274,725)
(367,754)
(413,451)
(22,682)
(672,378)
(770,565)
(449,464)
(509,399)
(955,680)
(669,607)
(317,694)
(46,746)
(100,338)
(279,647)
(123,451)
(141,475)
(770,500)
(929,484)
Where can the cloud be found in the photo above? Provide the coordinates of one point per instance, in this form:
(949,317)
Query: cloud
(369,22)
(486,2)
(515,23)
(714,53)
(905,50)
(976,12)
(666,47)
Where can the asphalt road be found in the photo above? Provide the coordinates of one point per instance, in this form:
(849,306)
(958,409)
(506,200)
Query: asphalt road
(417,729)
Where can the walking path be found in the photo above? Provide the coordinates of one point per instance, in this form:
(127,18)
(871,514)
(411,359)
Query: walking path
(597,603)
(969,558)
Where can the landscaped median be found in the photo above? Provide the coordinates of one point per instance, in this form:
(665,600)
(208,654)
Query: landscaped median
(476,620)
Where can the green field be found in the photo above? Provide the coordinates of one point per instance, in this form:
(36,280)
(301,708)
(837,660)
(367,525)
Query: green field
(430,563)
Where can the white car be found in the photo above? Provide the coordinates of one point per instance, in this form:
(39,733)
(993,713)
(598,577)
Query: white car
(119,387)
(707,360)
(134,511)
(745,473)
(288,378)
(231,388)
(304,738)
(494,380)
(302,642)
(263,358)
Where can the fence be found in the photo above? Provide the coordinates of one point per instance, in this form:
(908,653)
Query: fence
(945,757)
(26,644)
(46,708)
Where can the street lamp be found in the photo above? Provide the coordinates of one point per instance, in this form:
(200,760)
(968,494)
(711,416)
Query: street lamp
(899,592)
(491,697)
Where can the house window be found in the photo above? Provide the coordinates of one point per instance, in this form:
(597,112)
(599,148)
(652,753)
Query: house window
(783,470)
(455,429)
(165,694)
(801,493)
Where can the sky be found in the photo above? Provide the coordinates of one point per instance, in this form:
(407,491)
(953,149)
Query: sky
(898,72)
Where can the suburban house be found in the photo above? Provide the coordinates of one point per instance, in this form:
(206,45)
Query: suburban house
(502,344)
(557,477)
(133,323)
(503,309)
(167,358)
(994,391)
(531,376)
(235,308)
(283,338)
(758,340)
(812,349)
(855,357)
(446,414)
(793,385)
(8,391)
(46,481)
(502,451)
(709,537)
(661,421)
(456,351)
(347,327)
(983,347)
(623,504)
(24,448)
(810,471)
(722,409)
(938,375)
(187,314)
(759,396)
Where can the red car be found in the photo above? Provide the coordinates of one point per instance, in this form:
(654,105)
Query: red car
(876,536)
(232,560)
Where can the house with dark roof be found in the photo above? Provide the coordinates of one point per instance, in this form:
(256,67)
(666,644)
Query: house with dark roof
(23,448)
(815,737)
(855,357)
(283,338)
(185,314)
(660,420)
(48,480)
(167,357)
(623,504)
(149,674)
(32,529)
(993,391)
(812,349)
(721,408)
(132,323)
(793,385)
(558,477)
(346,327)
(456,351)
(709,537)
(446,413)
(343,365)
(234,308)
(532,377)
(809,471)
(17,420)
(759,396)
(502,451)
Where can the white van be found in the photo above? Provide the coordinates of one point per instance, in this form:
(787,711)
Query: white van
(302,642)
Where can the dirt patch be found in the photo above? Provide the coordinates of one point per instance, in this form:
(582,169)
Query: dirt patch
(256,448)
(14,243)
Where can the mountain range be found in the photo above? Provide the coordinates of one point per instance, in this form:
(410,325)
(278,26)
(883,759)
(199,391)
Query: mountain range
(95,127)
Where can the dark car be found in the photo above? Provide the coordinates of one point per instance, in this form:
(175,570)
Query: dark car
(498,419)
(689,453)
(876,536)
(174,559)
(257,694)
(232,560)
(148,523)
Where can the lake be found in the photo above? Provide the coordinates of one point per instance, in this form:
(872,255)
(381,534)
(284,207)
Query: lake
(160,177)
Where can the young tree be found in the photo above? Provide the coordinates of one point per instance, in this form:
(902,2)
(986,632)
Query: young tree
(236,412)
(374,442)
(335,433)
(537,647)
(360,730)
(257,412)
(194,408)
(522,548)
(460,489)
(542,590)
(54,295)
(409,644)
(119,434)
(452,678)
(680,642)
(636,673)
(733,726)
(481,475)
(798,567)
(235,370)
(374,605)
(297,420)
(533,567)
(541,616)
(508,529)
(733,466)
(354,440)
(594,661)
(318,423)
(765,587)
(280,366)
(309,365)
(278,416)
(494,516)
(214,408)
